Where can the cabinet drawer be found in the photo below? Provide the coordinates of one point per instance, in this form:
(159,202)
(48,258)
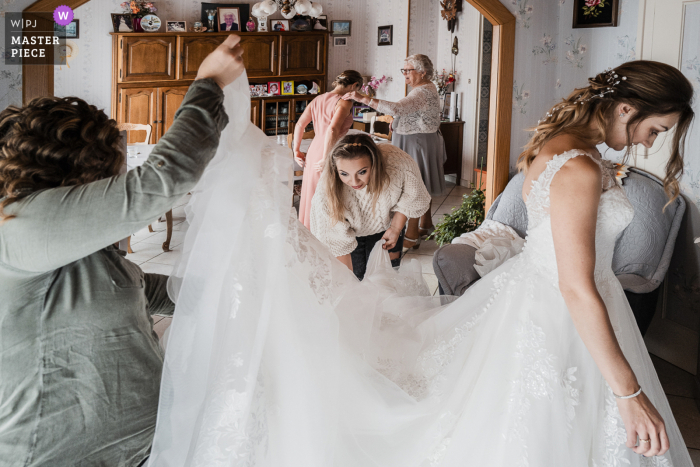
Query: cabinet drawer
(193,51)
(146,58)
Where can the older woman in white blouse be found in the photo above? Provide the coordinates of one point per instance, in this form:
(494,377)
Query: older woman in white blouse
(417,131)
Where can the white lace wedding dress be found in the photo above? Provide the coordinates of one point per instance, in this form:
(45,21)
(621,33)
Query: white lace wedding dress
(278,356)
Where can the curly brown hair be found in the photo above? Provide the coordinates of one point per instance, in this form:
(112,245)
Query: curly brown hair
(54,142)
(651,88)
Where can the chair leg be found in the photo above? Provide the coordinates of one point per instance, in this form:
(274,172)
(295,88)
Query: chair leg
(169,229)
(128,246)
(150,229)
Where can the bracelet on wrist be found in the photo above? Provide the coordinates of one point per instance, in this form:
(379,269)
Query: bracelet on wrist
(639,391)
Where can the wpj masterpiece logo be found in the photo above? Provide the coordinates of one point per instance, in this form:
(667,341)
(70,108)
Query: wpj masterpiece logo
(32,39)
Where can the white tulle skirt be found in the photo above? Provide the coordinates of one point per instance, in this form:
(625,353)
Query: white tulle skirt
(278,356)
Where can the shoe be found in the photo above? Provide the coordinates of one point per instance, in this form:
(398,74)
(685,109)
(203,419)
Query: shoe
(426,232)
(412,244)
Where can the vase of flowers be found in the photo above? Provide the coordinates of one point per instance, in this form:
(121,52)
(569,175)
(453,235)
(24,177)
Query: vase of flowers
(370,88)
(443,80)
(139,10)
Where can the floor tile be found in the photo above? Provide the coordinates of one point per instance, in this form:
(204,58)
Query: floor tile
(437,218)
(143,252)
(177,238)
(444,209)
(162,325)
(426,261)
(453,200)
(437,202)
(460,190)
(688,418)
(432,283)
(156,268)
(169,257)
(676,382)
(157,318)
(695,456)
(427,247)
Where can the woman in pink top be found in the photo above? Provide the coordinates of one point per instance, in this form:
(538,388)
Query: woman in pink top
(332,118)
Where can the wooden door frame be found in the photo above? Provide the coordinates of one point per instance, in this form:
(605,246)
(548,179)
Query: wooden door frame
(500,106)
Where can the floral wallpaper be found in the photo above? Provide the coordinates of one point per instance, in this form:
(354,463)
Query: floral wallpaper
(10,75)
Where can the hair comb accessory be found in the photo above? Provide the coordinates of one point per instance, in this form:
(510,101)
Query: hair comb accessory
(612,80)
(352,144)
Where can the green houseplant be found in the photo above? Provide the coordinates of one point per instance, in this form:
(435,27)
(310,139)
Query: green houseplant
(464,218)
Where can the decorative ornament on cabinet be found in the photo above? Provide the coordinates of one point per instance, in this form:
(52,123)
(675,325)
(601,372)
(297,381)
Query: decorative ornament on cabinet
(288,8)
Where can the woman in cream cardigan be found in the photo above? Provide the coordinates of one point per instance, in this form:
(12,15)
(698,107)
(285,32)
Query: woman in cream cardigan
(366,193)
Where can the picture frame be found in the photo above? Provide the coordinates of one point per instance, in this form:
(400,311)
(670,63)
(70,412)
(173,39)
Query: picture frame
(273,88)
(123,22)
(385,35)
(602,15)
(254,90)
(358,110)
(262,24)
(70,31)
(279,25)
(226,14)
(445,114)
(340,41)
(301,23)
(261,89)
(341,28)
(176,26)
(320,23)
(244,9)
(287,88)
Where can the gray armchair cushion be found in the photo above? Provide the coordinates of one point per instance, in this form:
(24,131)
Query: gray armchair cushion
(642,253)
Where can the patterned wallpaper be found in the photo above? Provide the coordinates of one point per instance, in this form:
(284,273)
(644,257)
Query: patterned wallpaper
(10,76)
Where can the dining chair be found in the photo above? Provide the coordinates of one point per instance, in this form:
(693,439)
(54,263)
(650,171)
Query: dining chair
(168,215)
(383,118)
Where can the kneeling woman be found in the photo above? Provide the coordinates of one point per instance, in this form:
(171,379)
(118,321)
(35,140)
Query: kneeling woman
(365,194)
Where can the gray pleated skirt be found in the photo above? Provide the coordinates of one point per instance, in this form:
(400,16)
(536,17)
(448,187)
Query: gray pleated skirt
(428,150)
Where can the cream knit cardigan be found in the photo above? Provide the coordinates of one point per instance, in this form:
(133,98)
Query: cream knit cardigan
(405,193)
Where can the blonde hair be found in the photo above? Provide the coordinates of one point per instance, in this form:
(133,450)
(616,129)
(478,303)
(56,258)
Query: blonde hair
(353,147)
(422,64)
(651,88)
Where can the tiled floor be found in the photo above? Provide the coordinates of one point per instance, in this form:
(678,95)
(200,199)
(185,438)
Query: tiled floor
(678,384)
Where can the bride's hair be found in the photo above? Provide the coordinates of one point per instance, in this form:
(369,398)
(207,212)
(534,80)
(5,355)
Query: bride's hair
(353,147)
(651,88)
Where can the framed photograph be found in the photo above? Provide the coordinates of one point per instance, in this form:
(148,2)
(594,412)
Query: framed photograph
(261,89)
(229,19)
(340,41)
(243,8)
(601,15)
(320,23)
(279,25)
(71,31)
(254,90)
(262,25)
(287,87)
(122,22)
(358,110)
(385,35)
(301,23)
(341,28)
(176,26)
(273,88)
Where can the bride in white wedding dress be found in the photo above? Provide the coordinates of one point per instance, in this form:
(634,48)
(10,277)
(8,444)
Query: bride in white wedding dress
(278,356)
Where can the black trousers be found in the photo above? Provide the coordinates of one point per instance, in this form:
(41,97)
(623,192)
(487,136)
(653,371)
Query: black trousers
(360,255)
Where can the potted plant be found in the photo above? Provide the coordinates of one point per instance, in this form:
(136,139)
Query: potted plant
(139,10)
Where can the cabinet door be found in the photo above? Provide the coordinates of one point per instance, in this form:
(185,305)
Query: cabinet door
(255,112)
(303,54)
(193,50)
(147,58)
(138,105)
(169,101)
(260,55)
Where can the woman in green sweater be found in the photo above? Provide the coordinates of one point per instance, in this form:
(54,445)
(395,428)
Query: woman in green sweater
(79,364)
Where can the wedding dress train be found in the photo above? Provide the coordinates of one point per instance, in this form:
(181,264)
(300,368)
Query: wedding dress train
(278,356)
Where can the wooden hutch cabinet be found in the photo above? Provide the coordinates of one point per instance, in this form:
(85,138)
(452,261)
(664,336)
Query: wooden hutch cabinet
(152,72)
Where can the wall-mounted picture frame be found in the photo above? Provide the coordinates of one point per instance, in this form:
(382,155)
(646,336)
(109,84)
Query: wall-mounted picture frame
(273,88)
(321,23)
(341,28)
(601,15)
(122,22)
(243,8)
(70,31)
(301,23)
(340,41)
(262,24)
(385,35)
(229,19)
(287,88)
(279,25)
(176,26)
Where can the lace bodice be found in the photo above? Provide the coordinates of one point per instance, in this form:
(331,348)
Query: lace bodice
(614,214)
(418,112)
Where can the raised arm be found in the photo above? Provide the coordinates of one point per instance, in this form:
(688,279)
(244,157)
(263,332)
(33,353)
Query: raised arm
(410,104)
(575,194)
(57,226)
